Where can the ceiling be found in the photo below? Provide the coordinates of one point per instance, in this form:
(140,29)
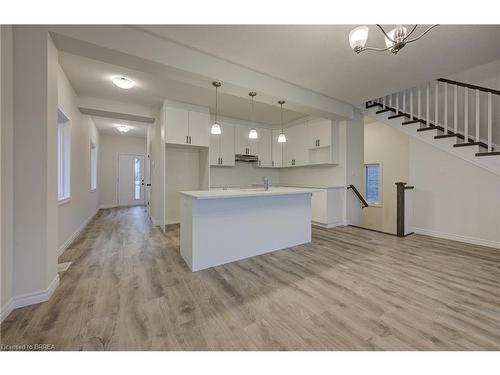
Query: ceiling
(107,126)
(93,78)
(319,58)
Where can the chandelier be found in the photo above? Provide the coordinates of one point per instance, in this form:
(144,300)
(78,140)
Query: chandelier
(395,39)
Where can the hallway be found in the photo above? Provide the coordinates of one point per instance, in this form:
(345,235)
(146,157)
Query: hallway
(350,289)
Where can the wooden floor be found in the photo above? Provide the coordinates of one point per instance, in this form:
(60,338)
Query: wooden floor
(350,289)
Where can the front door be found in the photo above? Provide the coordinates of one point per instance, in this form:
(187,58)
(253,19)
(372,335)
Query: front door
(130,179)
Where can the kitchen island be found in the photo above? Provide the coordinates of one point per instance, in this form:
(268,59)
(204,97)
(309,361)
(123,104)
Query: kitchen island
(222,226)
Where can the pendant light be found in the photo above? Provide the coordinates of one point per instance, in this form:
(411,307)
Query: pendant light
(253,132)
(216,127)
(282,136)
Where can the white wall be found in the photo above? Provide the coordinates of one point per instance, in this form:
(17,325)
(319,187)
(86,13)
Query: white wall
(243,175)
(7,172)
(453,198)
(110,147)
(390,147)
(354,156)
(83,203)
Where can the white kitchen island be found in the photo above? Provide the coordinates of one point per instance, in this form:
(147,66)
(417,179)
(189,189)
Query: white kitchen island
(222,226)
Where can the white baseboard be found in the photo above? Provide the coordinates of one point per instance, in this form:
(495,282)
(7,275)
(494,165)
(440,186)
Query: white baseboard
(6,309)
(330,225)
(456,237)
(107,206)
(71,238)
(155,221)
(29,298)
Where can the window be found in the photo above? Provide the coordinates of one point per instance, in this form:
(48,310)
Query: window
(93,167)
(137,179)
(63,156)
(372,183)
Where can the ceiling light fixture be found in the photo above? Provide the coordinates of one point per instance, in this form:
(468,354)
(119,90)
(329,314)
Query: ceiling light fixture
(216,127)
(123,82)
(395,39)
(282,136)
(253,132)
(122,128)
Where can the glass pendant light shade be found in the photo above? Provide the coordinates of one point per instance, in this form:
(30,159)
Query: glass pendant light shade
(215,129)
(282,138)
(253,134)
(358,37)
(393,35)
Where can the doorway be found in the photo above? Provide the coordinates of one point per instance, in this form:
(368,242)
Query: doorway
(130,184)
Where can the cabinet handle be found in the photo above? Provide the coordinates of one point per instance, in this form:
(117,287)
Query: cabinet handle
(187,139)
(221,160)
(318,142)
(272,163)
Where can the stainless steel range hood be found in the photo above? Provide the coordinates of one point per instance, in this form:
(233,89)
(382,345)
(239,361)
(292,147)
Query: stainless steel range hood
(248,158)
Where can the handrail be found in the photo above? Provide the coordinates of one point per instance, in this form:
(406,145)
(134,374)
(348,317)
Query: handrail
(468,85)
(360,197)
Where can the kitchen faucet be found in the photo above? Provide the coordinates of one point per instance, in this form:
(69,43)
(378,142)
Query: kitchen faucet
(266,183)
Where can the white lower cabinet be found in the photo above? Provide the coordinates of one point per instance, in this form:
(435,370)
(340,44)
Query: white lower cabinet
(327,206)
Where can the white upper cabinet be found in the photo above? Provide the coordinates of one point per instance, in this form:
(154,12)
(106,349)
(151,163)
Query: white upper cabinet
(319,133)
(199,132)
(276,149)
(295,147)
(222,147)
(176,125)
(265,148)
(187,127)
(242,144)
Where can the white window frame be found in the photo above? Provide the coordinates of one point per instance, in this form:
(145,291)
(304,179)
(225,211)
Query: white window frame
(379,203)
(93,167)
(63,158)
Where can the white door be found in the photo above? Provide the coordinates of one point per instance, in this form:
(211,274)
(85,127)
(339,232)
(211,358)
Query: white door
(265,148)
(130,179)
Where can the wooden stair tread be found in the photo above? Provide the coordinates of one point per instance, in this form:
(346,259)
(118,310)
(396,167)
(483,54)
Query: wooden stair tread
(445,136)
(410,122)
(396,116)
(428,128)
(493,153)
(385,110)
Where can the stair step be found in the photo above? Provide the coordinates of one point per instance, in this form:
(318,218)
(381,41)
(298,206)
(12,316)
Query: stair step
(410,122)
(428,128)
(464,144)
(445,136)
(373,105)
(493,153)
(385,110)
(396,116)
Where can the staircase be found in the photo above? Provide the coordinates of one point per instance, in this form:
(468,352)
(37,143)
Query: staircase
(454,116)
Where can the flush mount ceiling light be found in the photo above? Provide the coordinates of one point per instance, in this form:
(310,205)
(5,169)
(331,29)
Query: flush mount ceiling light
(216,127)
(282,136)
(123,82)
(122,128)
(253,132)
(395,39)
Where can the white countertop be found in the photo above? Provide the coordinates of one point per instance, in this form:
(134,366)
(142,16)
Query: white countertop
(241,193)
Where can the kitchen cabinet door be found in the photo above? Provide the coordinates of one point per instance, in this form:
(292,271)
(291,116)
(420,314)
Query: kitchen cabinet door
(277,149)
(301,152)
(199,131)
(288,147)
(265,147)
(241,139)
(227,145)
(176,125)
(320,133)
(215,143)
